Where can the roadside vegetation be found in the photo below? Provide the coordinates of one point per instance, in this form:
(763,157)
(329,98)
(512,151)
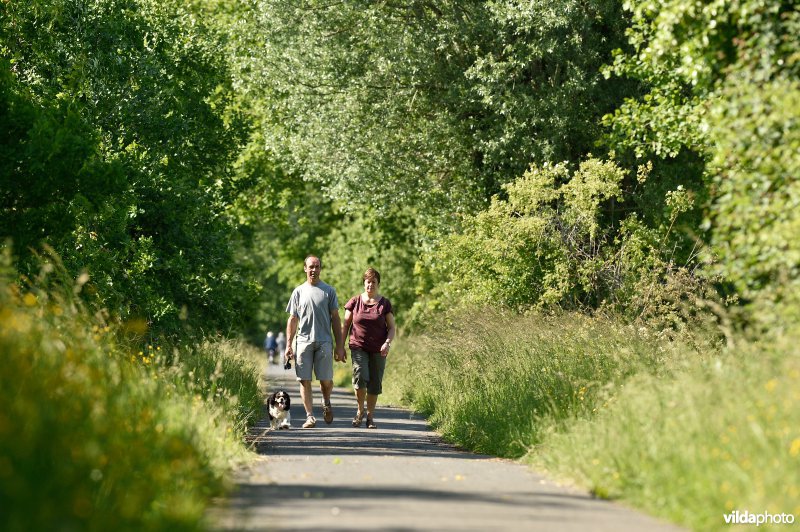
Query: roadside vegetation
(684,431)
(720,435)
(99,432)
(125,394)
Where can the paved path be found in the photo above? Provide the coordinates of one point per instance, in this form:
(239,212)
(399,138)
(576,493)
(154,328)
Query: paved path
(399,477)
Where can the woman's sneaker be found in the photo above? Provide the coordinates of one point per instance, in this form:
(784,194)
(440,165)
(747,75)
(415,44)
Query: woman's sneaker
(310,423)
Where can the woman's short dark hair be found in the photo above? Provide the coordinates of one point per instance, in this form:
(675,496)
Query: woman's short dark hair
(372,274)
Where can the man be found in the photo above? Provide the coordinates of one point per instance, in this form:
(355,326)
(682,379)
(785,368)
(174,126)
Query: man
(313,313)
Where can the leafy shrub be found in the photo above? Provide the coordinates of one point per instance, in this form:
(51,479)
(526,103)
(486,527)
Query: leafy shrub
(549,244)
(720,80)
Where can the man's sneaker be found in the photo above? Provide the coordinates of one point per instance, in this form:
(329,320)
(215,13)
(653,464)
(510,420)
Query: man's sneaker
(327,413)
(310,423)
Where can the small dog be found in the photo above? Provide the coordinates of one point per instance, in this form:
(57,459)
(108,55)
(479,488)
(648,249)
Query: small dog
(278,406)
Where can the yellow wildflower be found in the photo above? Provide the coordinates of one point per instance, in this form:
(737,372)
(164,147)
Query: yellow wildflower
(794,450)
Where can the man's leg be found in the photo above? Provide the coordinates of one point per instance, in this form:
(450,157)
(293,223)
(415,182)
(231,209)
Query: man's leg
(307,396)
(327,411)
(308,404)
(323,367)
(326,387)
(304,362)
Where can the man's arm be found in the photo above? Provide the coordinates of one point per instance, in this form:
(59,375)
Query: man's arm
(336,326)
(291,330)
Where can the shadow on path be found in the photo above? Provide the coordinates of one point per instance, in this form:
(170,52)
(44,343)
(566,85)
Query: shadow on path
(400,476)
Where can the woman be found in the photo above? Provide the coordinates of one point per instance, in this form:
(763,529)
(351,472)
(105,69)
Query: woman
(373,329)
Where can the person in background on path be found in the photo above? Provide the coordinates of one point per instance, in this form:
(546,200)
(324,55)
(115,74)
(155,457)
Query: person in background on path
(373,329)
(271,346)
(280,341)
(313,314)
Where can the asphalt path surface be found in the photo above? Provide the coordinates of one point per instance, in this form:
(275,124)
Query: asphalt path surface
(398,477)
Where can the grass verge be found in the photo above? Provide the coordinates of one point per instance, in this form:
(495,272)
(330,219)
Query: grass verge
(96,437)
(686,433)
(499,389)
(723,436)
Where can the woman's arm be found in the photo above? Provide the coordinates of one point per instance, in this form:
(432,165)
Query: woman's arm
(390,335)
(348,321)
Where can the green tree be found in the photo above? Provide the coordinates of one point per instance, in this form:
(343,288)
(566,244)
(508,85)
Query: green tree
(408,117)
(143,88)
(427,105)
(721,82)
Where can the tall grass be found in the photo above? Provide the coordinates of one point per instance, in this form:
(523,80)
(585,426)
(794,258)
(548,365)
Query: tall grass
(498,383)
(225,372)
(95,437)
(687,433)
(723,436)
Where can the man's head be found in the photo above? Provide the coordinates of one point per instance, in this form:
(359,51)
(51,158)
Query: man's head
(312,266)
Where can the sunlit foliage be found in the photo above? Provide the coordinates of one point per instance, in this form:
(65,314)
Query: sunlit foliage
(117,141)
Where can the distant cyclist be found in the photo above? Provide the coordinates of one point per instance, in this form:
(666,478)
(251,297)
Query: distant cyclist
(281,341)
(271,346)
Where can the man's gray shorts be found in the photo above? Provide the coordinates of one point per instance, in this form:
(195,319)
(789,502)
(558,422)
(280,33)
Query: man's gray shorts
(368,371)
(316,355)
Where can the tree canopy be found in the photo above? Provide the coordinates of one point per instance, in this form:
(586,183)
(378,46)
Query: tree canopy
(118,139)
(431,104)
(190,154)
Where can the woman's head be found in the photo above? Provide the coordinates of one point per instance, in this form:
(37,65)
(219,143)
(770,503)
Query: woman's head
(372,275)
(371,280)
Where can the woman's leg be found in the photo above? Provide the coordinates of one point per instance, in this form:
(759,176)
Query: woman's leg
(372,400)
(360,381)
(361,393)
(377,364)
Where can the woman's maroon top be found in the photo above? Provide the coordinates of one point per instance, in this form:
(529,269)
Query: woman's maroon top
(369,329)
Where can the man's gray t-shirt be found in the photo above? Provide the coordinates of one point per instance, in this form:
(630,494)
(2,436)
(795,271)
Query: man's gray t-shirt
(312,305)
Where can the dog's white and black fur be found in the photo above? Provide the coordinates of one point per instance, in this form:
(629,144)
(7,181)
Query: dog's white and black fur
(278,406)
